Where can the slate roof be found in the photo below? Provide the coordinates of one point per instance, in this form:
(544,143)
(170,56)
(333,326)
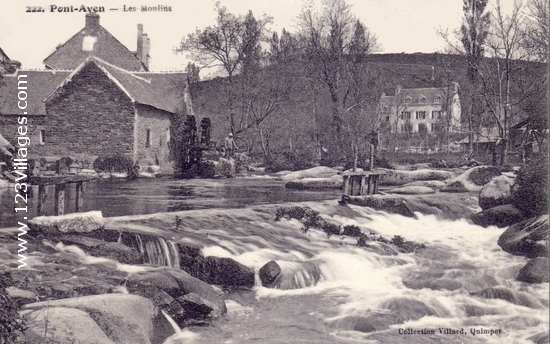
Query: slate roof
(40,84)
(486,135)
(164,91)
(70,54)
(415,94)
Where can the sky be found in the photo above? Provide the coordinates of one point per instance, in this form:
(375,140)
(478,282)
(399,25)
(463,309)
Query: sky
(401,25)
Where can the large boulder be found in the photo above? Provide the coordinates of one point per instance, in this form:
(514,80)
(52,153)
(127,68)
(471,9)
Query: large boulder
(412,190)
(500,216)
(535,271)
(388,203)
(123,318)
(69,223)
(527,238)
(497,192)
(334,182)
(105,249)
(62,325)
(474,178)
(456,186)
(434,184)
(397,177)
(269,273)
(186,299)
(314,172)
(225,272)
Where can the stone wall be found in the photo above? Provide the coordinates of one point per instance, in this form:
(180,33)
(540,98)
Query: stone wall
(157,123)
(90,115)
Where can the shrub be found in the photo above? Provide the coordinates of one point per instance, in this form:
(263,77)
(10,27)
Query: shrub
(352,231)
(330,228)
(397,240)
(11,322)
(362,240)
(530,192)
(133,172)
(113,163)
(308,217)
(206,169)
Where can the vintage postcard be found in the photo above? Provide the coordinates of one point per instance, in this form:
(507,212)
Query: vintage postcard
(275,171)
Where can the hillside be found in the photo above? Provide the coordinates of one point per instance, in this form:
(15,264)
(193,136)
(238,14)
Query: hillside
(309,102)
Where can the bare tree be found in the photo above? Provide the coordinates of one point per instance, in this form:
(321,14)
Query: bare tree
(473,34)
(537,29)
(505,46)
(329,34)
(229,46)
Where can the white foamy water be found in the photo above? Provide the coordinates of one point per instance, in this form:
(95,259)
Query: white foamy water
(332,291)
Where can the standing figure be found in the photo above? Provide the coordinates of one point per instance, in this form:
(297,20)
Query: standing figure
(230,145)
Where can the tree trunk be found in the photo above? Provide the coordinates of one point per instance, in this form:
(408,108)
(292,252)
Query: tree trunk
(371,157)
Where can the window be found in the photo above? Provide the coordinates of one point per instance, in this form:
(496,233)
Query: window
(387,118)
(422,100)
(437,99)
(42,136)
(420,114)
(432,127)
(148,138)
(436,114)
(407,100)
(406,115)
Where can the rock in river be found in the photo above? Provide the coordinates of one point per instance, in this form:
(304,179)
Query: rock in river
(122,318)
(70,223)
(527,238)
(473,179)
(497,192)
(535,271)
(269,273)
(397,177)
(500,216)
(412,190)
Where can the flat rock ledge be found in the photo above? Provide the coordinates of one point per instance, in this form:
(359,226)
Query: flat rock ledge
(69,223)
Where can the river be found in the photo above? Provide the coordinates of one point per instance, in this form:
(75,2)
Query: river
(333,291)
(459,289)
(116,197)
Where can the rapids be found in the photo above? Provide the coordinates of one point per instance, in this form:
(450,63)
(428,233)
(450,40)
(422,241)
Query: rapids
(332,291)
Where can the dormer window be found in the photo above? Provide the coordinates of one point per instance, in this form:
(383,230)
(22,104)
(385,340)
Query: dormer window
(422,100)
(407,100)
(437,99)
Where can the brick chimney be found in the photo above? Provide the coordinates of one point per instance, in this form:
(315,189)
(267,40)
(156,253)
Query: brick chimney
(145,54)
(142,51)
(92,24)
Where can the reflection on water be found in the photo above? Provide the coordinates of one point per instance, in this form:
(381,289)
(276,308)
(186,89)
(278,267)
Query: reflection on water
(146,196)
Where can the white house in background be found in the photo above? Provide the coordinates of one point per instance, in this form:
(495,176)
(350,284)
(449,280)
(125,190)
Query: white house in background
(411,107)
